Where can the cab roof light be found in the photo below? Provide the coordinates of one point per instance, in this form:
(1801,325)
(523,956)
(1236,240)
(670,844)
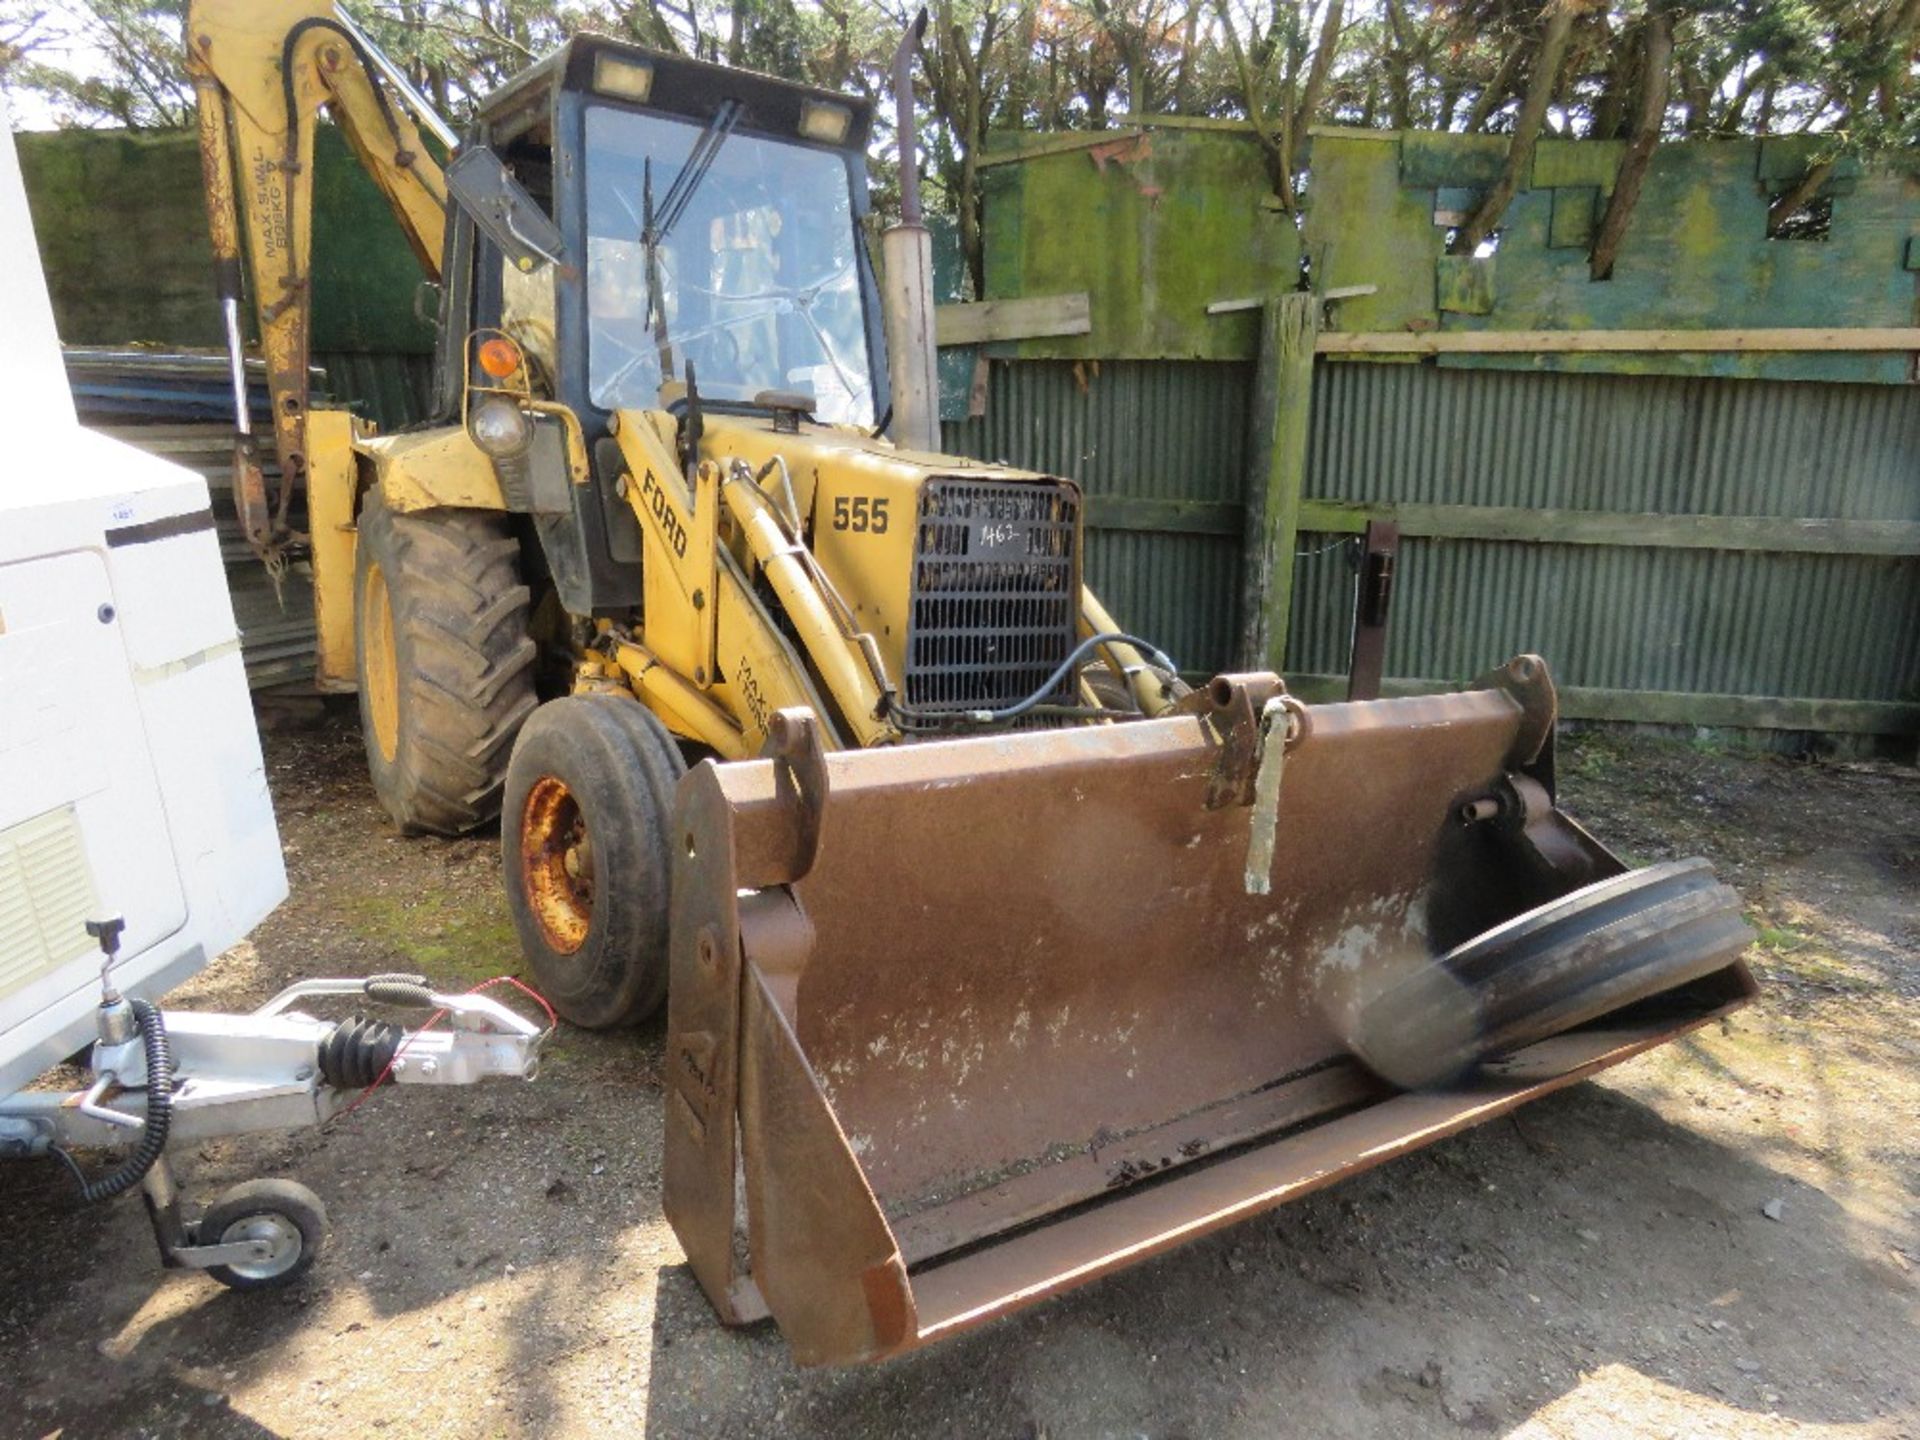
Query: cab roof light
(825,122)
(622,78)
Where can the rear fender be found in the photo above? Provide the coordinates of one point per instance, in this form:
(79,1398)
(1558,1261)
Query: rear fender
(429,469)
(419,470)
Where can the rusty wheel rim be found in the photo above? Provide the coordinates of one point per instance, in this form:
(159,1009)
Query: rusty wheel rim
(556,864)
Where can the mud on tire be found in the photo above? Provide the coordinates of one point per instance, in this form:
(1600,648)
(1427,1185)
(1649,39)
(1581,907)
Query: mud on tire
(445,661)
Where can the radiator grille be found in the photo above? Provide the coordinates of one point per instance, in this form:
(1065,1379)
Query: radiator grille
(996,588)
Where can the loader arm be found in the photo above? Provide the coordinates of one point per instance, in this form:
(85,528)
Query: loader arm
(262,70)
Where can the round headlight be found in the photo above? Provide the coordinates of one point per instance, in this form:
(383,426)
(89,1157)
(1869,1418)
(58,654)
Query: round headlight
(499,427)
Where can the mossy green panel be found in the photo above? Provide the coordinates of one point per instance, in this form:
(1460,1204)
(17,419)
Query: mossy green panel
(1365,228)
(1576,211)
(1464,284)
(122,227)
(1785,158)
(367,292)
(949,269)
(123,236)
(1577,162)
(1154,230)
(954,362)
(1697,256)
(1436,161)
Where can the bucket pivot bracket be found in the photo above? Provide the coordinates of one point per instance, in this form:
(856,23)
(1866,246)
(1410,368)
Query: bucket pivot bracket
(800,784)
(1548,843)
(1232,706)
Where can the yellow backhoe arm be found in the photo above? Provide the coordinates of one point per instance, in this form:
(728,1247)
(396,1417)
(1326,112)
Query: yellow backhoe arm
(262,70)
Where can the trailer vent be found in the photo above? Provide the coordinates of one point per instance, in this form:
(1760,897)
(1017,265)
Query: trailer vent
(996,592)
(46,897)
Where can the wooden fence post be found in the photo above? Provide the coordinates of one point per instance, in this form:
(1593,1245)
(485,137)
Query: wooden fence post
(1276,474)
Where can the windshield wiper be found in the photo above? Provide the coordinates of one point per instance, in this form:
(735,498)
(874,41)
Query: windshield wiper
(699,160)
(656,225)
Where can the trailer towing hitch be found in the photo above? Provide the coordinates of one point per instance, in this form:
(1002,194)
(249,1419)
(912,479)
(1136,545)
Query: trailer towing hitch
(161,1077)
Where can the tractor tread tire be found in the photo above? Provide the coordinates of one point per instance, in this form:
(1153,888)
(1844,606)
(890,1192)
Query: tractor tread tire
(464,662)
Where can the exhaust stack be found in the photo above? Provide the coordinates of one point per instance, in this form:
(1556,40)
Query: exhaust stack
(907,253)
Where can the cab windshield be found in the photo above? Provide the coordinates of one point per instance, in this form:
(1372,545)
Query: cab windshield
(756,279)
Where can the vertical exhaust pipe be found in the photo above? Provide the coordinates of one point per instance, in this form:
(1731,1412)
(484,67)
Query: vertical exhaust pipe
(907,253)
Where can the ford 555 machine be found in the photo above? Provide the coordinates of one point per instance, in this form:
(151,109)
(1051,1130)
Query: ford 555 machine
(995,957)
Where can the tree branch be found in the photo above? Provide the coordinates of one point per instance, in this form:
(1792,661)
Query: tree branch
(1526,127)
(1494,94)
(1656,66)
(1323,53)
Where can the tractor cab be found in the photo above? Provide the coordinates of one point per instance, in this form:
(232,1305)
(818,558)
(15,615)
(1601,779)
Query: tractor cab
(639,224)
(696,216)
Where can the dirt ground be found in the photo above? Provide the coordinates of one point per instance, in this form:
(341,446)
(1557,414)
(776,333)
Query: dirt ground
(1721,1238)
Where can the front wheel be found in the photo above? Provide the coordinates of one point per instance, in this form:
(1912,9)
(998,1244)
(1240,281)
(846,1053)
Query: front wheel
(584,842)
(288,1218)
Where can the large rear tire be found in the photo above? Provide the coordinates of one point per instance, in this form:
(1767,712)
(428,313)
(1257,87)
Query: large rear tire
(584,841)
(1572,960)
(446,664)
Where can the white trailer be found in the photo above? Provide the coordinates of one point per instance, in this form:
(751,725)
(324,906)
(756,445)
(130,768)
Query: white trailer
(137,838)
(131,779)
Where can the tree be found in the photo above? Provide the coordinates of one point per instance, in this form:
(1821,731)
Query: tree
(1639,70)
(1655,72)
(1281,75)
(136,78)
(1870,54)
(965,77)
(1556,30)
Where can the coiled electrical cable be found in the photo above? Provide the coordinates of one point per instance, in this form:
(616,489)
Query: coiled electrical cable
(153,1138)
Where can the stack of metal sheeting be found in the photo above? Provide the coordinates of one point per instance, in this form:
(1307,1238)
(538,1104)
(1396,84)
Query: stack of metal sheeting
(179,405)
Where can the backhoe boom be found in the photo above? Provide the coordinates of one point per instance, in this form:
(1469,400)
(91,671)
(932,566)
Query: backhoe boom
(262,72)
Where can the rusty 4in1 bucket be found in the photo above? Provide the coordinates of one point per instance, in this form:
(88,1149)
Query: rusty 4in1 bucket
(968,1023)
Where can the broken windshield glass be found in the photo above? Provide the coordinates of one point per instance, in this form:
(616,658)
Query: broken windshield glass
(756,281)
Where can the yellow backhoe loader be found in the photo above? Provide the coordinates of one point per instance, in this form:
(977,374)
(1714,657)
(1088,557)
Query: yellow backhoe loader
(998,957)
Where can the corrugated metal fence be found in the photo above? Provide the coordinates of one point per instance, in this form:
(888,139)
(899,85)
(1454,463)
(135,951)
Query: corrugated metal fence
(1659,629)
(1673,633)
(393,390)
(1161,452)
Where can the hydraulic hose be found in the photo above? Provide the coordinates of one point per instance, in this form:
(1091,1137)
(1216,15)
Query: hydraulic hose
(919,719)
(153,1139)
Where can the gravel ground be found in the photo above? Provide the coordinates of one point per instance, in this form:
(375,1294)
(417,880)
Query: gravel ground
(1721,1238)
